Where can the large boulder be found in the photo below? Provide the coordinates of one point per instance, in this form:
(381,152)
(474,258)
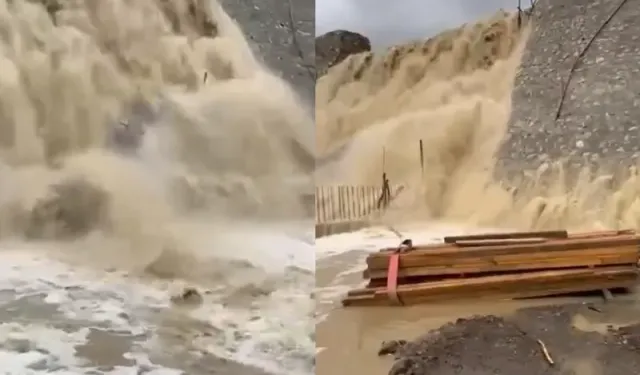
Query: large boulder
(335,46)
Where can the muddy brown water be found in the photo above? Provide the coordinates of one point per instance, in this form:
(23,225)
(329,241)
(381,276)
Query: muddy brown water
(350,338)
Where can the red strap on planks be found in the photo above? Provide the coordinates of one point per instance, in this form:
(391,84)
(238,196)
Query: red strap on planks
(392,278)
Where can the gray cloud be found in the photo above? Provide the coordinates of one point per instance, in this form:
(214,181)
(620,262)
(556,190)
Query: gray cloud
(388,22)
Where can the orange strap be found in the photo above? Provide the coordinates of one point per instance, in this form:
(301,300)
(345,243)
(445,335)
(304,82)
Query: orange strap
(392,278)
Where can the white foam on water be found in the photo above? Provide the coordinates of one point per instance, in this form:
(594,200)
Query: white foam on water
(272,332)
(41,349)
(272,247)
(375,238)
(97,299)
(275,331)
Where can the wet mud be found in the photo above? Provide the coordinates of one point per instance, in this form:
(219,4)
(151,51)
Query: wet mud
(580,339)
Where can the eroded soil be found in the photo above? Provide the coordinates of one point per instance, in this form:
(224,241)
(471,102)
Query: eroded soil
(581,339)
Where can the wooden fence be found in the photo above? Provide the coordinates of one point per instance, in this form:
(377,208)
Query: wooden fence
(342,203)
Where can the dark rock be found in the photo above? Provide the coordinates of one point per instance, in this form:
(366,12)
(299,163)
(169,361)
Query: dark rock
(18,345)
(391,347)
(402,366)
(189,296)
(73,208)
(335,46)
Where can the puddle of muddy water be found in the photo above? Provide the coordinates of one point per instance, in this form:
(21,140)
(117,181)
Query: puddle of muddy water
(584,367)
(624,311)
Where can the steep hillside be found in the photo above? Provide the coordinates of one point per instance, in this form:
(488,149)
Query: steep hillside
(577,91)
(281,31)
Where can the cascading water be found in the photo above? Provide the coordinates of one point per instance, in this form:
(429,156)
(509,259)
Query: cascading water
(144,148)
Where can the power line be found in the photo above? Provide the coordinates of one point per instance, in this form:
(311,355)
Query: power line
(565,88)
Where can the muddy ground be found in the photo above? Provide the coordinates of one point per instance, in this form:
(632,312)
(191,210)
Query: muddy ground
(485,345)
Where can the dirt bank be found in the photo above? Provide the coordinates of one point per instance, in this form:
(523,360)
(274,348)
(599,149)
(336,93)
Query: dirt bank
(590,339)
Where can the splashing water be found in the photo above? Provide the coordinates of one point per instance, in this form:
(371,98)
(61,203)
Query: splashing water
(144,139)
(453,92)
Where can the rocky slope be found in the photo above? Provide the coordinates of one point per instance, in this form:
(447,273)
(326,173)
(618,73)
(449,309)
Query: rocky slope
(576,93)
(282,32)
(335,46)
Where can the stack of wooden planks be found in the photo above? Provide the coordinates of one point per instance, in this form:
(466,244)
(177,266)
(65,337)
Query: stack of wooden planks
(504,265)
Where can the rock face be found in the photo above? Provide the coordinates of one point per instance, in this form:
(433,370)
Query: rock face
(335,46)
(282,33)
(576,95)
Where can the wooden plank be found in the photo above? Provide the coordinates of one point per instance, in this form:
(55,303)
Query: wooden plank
(524,256)
(592,282)
(530,290)
(497,295)
(361,292)
(524,278)
(528,285)
(497,242)
(604,233)
(574,243)
(450,242)
(573,287)
(423,257)
(501,263)
(478,269)
(429,247)
(517,262)
(557,234)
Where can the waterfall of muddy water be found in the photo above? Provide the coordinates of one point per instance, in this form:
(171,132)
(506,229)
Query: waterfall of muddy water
(143,149)
(453,92)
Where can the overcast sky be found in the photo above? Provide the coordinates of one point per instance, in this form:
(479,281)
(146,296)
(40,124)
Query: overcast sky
(387,22)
